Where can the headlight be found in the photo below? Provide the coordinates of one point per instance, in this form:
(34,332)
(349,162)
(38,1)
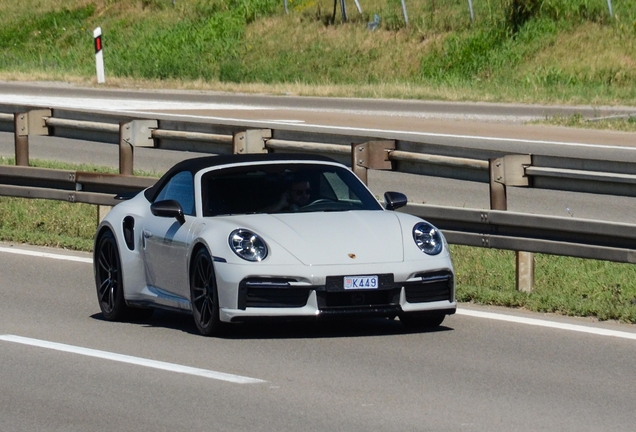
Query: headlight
(248,245)
(428,238)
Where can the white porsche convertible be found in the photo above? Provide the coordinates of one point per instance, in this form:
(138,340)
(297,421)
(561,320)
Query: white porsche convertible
(251,237)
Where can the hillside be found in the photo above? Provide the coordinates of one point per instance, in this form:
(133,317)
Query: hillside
(548,51)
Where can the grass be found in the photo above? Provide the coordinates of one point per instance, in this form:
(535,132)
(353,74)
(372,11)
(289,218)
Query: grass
(621,124)
(563,285)
(47,223)
(547,51)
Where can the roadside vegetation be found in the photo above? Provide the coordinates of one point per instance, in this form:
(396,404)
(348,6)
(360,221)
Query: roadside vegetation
(620,124)
(564,285)
(531,51)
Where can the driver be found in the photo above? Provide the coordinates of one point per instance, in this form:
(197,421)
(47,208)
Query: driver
(296,196)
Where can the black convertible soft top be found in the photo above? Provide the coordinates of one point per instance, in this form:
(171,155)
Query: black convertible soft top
(195,165)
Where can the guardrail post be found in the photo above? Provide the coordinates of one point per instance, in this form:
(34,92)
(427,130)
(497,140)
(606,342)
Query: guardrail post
(250,141)
(126,149)
(102,211)
(510,171)
(21,138)
(24,125)
(371,155)
(525,271)
(498,196)
(135,133)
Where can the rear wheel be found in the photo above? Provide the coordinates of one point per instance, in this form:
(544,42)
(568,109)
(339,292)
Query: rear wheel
(204,295)
(108,279)
(421,321)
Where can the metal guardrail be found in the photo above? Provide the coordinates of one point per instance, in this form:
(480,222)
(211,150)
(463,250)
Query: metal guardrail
(406,154)
(608,241)
(71,186)
(471,227)
(495,228)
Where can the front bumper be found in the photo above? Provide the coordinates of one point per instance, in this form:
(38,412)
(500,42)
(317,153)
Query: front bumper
(312,311)
(422,292)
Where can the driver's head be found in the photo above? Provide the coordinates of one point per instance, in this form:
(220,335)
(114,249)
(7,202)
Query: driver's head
(299,192)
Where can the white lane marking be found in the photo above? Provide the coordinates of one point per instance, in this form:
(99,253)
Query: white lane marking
(114,104)
(171,367)
(477,314)
(549,324)
(286,121)
(45,255)
(389,131)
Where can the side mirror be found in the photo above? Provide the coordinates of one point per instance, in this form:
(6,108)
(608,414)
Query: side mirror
(168,208)
(394,200)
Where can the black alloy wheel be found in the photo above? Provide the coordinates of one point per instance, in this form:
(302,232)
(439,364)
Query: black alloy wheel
(108,279)
(204,295)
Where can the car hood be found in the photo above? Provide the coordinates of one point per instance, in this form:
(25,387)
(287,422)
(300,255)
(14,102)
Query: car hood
(332,238)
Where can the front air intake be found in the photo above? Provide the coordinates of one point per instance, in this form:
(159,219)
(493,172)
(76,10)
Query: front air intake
(437,286)
(271,293)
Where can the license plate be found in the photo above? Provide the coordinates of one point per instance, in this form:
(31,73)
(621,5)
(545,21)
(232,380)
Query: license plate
(361,282)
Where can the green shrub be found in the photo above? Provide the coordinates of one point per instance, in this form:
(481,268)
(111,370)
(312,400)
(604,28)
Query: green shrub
(519,12)
(465,55)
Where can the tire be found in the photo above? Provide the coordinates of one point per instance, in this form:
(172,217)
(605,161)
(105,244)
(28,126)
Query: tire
(204,295)
(109,280)
(421,322)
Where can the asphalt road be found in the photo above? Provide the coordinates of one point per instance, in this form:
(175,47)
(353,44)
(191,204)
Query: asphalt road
(473,374)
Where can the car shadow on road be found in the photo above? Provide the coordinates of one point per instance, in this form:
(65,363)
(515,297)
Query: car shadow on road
(319,329)
(324,329)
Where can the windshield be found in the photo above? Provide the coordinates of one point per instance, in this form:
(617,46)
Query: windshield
(283,188)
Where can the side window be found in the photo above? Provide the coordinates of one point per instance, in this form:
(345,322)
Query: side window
(181,189)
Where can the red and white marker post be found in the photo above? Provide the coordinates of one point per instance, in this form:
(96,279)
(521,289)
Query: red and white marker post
(99,56)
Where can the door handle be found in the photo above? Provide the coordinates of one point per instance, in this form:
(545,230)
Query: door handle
(147,234)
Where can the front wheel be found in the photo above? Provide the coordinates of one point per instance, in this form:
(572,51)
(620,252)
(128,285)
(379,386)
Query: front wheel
(204,295)
(108,279)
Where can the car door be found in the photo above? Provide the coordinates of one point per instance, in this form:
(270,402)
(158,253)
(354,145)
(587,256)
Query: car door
(165,240)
